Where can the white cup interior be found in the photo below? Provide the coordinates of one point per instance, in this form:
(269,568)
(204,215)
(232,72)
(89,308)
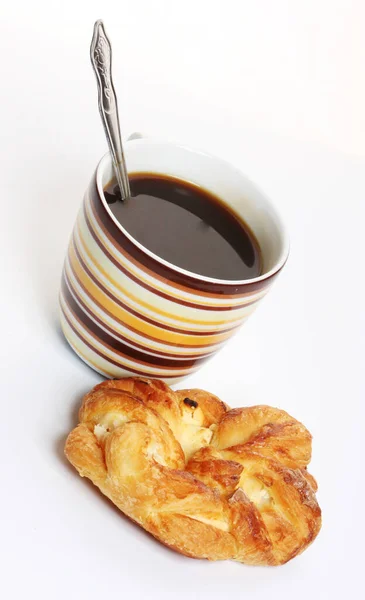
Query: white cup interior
(217,176)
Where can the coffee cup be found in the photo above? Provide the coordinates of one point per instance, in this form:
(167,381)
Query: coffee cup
(126,311)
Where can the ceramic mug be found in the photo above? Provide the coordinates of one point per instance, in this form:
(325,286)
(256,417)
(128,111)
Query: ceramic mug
(125,310)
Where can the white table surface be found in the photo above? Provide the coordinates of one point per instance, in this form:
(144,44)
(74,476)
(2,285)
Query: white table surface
(303,350)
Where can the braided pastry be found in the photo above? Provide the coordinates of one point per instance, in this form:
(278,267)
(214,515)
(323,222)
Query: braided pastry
(206,480)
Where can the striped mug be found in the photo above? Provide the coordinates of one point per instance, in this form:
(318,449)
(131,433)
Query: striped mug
(125,310)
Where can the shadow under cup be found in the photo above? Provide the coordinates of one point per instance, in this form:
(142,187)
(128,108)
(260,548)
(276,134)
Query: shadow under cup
(126,311)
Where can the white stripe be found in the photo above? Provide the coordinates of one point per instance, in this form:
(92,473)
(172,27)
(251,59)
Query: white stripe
(139,338)
(145,349)
(109,367)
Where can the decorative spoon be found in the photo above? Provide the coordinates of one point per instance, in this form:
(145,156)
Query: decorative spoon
(101,60)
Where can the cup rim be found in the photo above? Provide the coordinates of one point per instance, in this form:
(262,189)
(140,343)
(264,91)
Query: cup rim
(224,282)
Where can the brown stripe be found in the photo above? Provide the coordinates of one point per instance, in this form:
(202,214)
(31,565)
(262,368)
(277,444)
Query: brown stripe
(65,287)
(137,314)
(129,327)
(122,349)
(110,360)
(158,269)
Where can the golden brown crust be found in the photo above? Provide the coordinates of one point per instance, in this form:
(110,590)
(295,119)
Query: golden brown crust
(213,408)
(207,481)
(267,430)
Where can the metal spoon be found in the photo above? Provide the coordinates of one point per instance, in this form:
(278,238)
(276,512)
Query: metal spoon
(101,60)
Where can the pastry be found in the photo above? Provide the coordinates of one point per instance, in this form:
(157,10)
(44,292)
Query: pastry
(206,480)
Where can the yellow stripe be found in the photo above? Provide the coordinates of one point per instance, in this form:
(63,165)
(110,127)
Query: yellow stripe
(69,334)
(135,322)
(111,353)
(149,345)
(153,344)
(75,340)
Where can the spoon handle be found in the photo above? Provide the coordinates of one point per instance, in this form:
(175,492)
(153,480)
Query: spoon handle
(101,60)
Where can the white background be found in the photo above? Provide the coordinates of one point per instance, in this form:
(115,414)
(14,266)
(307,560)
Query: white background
(277,87)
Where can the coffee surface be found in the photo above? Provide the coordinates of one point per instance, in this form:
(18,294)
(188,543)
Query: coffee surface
(187,226)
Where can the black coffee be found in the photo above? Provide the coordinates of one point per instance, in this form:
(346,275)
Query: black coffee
(187,226)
